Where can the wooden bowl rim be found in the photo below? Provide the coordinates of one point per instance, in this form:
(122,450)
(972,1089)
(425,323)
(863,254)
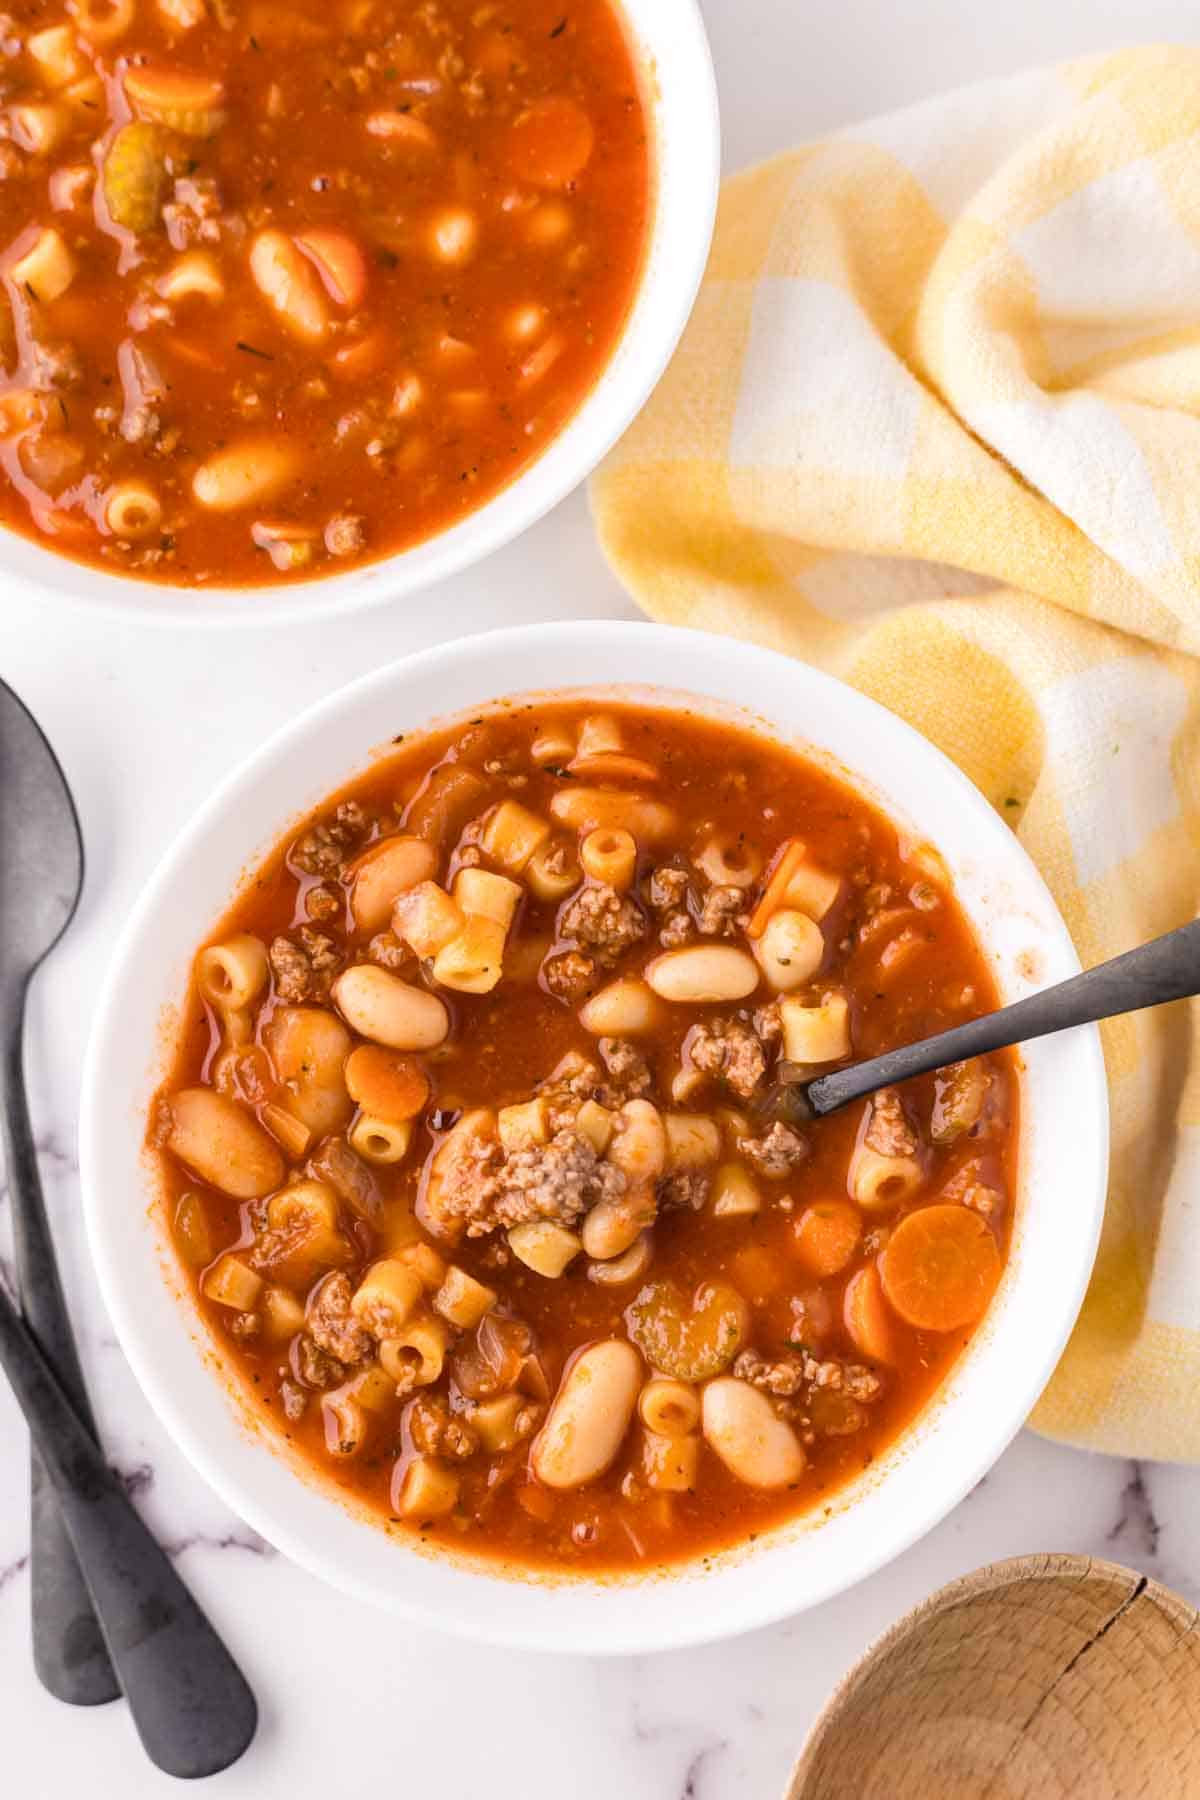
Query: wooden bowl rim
(1010,1572)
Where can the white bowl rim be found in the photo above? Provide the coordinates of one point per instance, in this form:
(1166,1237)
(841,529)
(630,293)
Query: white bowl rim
(619,1627)
(678,240)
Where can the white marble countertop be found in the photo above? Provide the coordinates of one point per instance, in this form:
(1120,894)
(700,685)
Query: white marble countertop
(145,722)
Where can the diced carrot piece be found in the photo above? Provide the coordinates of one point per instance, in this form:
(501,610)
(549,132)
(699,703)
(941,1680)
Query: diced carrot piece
(774,893)
(386,1083)
(550,142)
(866,1316)
(339,262)
(827,1235)
(940,1267)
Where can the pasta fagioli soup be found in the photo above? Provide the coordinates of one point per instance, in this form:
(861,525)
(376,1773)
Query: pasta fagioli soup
(464,1150)
(290,287)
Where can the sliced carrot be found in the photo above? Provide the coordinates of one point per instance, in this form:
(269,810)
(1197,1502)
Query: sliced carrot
(339,262)
(613,765)
(939,1267)
(827,1235)
(867,1318)
(788,860)
(385,1083)
(550,142)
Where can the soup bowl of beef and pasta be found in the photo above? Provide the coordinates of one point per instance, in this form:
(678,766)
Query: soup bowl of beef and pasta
(306,305)
(427,1178)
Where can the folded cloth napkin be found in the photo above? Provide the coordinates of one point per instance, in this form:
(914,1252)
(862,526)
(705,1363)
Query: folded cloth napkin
(935,426)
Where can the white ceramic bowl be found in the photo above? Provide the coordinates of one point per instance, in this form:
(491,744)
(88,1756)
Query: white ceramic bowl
(1062,1162)
(680,96)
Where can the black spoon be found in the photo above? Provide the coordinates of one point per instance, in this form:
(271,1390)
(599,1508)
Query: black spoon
(190,1702)
(41,875)
(1167,968)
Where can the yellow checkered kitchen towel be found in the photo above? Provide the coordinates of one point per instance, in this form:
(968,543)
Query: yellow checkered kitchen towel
(935,426)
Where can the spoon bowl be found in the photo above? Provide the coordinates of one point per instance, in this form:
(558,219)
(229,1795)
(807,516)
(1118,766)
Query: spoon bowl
(43,846)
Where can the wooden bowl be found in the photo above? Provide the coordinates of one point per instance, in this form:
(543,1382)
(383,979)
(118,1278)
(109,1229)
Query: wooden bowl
(1040,1677)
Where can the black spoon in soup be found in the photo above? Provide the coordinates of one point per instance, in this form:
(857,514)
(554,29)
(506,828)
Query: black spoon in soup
(1167,968)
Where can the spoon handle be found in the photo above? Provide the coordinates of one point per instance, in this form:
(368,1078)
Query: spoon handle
(190,1702)
(68,1648)
(1167,968)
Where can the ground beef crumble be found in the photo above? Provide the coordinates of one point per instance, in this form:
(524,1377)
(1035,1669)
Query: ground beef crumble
(676,929)
(785,1375)
(436,1432)
(570,975)
(776,1153)
(729,1050)
(720,912)
(560,1181)
(323,849)
(304,970)
(331,1324)
(889,1132)
(604,921)
(629,1076)
(667,888)
(386,949)
(315,1366)
(683,1190)
(322,903)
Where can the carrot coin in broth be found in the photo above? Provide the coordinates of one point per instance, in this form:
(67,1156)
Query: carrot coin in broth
(462,1152)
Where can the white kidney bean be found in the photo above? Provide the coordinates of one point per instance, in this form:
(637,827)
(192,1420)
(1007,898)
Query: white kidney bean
(244,474)
(223,1144)
(378,1005)
(703,972)
(591,1413)
(622,1009)
(753,1442)
(613,1226)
